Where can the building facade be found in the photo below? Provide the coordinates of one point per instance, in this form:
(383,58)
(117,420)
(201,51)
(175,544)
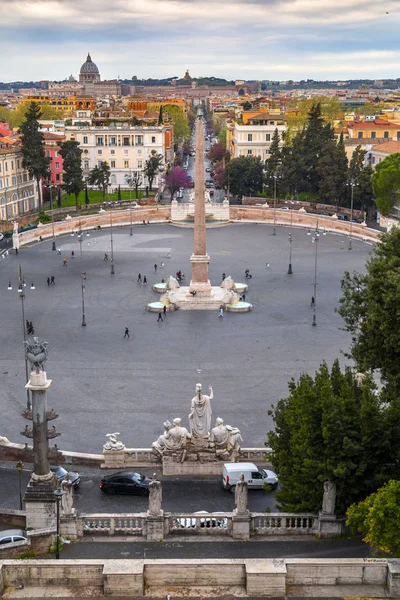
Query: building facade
(89,79)
(18,192)
(252,140)
(124,148)
(52,143)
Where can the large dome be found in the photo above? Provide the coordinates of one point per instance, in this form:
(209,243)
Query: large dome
(89,66)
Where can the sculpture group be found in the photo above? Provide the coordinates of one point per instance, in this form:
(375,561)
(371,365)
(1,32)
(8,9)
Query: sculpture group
(221,442)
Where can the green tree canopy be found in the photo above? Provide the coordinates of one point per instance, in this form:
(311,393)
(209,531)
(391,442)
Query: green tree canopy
(386,183)
(100,176)
(245,175)
(72,165)
(332,170)
(32,140)
(181,123)
(361,175)
(370,309)
(134,181)
(274,161)
(330,427)
(377,518)
(152,167)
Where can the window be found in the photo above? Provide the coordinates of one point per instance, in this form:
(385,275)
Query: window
(25,177)
(56,153)
(126,152)
(85,139)
(13,180)
(373,160)
(1,183)
(112,151)
(113,164)
(386,134)
(18,164)
(249,152)
(139,140)
(126,164)
(249,137)
(6,164)
(86,164)
(125,141)
(398,135)
(99,141)
(360,134)
(19,179)
(113,141)
(373,134)
(99,151)
(256,475)
(99,163)
(140,164)
(12,165)
(139,152)
(0,167)
(58,177)
(58,164)
(153,139)
(267,137)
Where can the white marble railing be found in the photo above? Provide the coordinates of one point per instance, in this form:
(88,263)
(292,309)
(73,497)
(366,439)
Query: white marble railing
(114,524)
(206,523)
(284,523)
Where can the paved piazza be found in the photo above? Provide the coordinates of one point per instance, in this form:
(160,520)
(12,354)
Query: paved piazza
(103,383)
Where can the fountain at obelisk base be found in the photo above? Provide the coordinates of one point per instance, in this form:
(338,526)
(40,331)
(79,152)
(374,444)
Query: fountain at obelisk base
(200,294)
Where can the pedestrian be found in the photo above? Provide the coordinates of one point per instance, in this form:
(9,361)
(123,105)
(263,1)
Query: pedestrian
(16,250)
(160,317)
(59,251)
(267,265)
(223,276)
(27,325)
(144,222)
(164,310)
(155,268)
(72,254)
(144,279)
(126,334)
(53,280)
(40,238)
(148,222)
(168,254)
(105,256)
(312,301)
(221,311)
(243,297)
(139,278)
(65,262)
(48,281)
(31,330)
(162,265)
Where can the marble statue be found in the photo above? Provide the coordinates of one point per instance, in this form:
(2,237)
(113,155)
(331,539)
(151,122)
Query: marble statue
(329,499)
(155,497)
(67,499)
(241,495)
(159,445)
(225,438)
(228,283)
(36,352)
(172,283)
(15,224)
(200,413)
(176,437)
(113,442)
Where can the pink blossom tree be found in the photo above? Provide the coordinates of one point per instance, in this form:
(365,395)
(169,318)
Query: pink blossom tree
(176,178)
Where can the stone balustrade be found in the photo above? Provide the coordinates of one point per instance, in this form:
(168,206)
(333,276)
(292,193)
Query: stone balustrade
(284,524)
(112,524)
(205,523)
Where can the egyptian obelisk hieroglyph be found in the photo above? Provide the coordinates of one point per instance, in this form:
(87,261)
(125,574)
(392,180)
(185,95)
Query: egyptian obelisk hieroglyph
(200,259)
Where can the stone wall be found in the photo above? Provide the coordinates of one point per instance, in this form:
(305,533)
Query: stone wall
(214,211)
(13,518)
(207,577)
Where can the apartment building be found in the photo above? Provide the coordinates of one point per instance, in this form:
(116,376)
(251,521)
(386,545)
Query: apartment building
(125,148)
(253,138)
(18,193)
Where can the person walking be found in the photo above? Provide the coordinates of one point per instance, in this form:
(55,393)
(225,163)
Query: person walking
(223,276)
(144,280)
(155,268)
(126,334)
(48,281)
(162,265)
(312,301)
(164,310)
(72,254)
(65,262)
(59,251)
(139,278)
(53,280)
(105,256)
(160,317)
(221,311)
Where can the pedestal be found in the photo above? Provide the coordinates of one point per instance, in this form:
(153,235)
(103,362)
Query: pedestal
(200,281)
(69,525)
(155,527)
(113,459)
(329,525)
(266,577)
(241,525)
(40,505)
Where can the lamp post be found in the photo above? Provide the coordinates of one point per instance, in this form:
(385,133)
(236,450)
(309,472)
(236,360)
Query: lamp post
(290,270)
(21,286)
(112,241)
(315,241)
(130,205)
(19,466)
(52,217)
(351,184)
(80,238)
(275,178)
(58,493)
(83,279)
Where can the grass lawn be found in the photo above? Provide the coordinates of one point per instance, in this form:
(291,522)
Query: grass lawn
(96,197)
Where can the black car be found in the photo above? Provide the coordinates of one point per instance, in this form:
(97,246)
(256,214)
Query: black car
(126,483)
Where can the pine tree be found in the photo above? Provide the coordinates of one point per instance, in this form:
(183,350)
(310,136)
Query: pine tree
(59,199)
(72,165)
(317,134)
(160,116)
(274,161)
(32,140)
(119,197)
(332,169)
(360,174)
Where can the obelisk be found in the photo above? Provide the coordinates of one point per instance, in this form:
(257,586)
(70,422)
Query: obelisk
(200,282)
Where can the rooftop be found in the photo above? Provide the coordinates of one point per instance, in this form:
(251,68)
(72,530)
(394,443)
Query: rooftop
(377,124)
(388,148)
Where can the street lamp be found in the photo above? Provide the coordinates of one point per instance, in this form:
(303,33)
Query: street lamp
(351,184)
(19,466)
(52,216)
(315,241)
(58,493)
(275,177)
(21,286)
(80,236)
(83,279)
(112,241)
(290,271)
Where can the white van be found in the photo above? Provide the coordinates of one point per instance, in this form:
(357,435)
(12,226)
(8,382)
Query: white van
(255,477)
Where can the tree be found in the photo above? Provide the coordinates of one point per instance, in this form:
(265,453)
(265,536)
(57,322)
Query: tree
(386,183)
(87,201)
(72,165)
(369,307)
(176,179)
(119,197)
(245,175)
(59,199)
(135,181)
(152,167)
(34,159)
(100,176)
(293,167)
(361,176)
(330,427)
(331,110)
(160,115)
(274,161)
(181,124)
(332,170)
(377,518)
(317,134)
(217,152)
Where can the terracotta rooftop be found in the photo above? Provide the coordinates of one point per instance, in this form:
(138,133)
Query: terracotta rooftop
(378,124)
(388,148)
(363,141)
(53,136)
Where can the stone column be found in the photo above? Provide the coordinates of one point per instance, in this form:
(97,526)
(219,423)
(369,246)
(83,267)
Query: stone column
(200,259)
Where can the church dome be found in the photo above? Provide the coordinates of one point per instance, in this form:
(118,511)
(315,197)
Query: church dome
(89,66)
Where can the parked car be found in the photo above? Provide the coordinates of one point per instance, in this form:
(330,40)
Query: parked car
(9,536)
(342,217)
(283,208)
(125,482)
(208,170)
(62,474)
(1,237)
(254,476)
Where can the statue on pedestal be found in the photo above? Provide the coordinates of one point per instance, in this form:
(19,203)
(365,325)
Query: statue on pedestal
(113,442)
(67,499)
(225,439)
(159,445)
(329,499)
(177,436)
(200,415)
(155,497)
(241,496)
(36,352)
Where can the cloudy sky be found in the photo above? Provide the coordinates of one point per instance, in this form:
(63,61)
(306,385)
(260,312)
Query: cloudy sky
(250,39)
